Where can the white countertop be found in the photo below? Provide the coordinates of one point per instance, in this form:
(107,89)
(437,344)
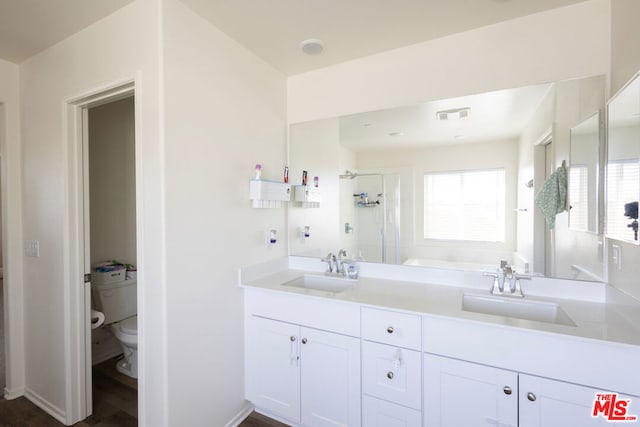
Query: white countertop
(615,318)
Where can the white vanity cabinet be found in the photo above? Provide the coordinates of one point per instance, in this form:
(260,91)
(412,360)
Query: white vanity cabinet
(302,375)
(391,369)
(458,393)
(272,366)
(551,403)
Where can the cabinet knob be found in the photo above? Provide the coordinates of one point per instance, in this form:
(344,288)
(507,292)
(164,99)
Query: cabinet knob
(390,375)
(531,397)
(293,338)
(507,390)
(390,329)
(304,340)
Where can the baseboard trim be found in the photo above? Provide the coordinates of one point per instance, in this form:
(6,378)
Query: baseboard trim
(246,410)
(13,394)
(46,406)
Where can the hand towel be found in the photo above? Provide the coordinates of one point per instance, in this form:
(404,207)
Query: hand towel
(552,197)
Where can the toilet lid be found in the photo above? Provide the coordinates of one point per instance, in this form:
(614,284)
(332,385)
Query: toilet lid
(130,325)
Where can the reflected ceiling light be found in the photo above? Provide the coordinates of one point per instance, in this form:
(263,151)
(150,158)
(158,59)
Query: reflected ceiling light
(396,133)
(312,46)
(454,113)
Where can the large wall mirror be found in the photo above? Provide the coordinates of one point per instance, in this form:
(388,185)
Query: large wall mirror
(452,183)
(623,163)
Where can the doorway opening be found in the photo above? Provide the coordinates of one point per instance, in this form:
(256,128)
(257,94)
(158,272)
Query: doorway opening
(111,249)
(103,223)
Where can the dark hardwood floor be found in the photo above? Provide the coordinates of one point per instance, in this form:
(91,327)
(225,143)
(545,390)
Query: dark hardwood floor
(115,404)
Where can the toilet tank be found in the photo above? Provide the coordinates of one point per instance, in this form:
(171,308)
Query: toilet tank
(117,300)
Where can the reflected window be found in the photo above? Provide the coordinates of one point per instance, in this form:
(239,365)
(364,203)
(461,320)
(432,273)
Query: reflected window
(465,205)
(579,196)
(623,178)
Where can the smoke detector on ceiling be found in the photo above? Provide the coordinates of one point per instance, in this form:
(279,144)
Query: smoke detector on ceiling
(453,114)
(312,46)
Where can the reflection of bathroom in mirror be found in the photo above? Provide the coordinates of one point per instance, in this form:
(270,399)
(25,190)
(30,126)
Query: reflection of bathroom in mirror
(584,178)
(623,163)
(455,182)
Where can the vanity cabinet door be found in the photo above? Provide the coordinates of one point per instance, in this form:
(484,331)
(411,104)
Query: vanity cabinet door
(330,378)
(272,377)
(458,393)
(392,374)
(551,403)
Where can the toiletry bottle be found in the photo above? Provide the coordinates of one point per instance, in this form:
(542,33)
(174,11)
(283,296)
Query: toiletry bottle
(258,171)
(315,181)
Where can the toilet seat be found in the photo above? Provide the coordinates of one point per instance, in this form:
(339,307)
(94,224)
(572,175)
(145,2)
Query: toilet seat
(129,325)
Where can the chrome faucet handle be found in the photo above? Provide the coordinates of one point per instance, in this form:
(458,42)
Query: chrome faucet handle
(514,284)
(330,259)
(495,286)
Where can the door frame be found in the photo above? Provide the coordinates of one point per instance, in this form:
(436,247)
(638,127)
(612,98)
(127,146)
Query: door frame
(542,240)
(77,294)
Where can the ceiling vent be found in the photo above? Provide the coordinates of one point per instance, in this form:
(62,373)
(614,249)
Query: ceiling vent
(453,114)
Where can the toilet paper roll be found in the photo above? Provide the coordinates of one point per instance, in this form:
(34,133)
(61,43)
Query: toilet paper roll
(97,319)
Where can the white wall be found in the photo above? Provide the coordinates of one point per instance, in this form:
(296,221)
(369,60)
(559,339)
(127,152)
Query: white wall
(555,45)
(112,172)
(625,62)
(625,42)
(225,112)
(120,47)
(10,153)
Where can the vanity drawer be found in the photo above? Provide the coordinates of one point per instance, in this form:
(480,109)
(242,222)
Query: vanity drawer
(392,373)
(390,327)
(380,413)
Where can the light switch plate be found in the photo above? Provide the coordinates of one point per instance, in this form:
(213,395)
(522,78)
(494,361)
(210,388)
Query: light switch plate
(32,248)
(616,256)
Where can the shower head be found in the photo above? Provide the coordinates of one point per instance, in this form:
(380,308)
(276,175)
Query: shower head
(347,175)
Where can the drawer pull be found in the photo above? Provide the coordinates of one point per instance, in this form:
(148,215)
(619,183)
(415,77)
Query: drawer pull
(390,329)
(293,338)
(507,390)
(390,375)
(531,397)
(304,340)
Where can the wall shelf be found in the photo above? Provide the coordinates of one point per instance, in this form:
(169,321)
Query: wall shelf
(307,196)
(268,194)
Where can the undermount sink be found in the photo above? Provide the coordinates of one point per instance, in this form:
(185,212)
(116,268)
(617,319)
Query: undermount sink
(540,311)
(322,283)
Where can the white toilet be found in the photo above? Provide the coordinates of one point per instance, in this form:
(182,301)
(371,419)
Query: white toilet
(118,302)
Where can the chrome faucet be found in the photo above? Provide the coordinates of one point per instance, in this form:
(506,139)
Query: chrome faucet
(506,275)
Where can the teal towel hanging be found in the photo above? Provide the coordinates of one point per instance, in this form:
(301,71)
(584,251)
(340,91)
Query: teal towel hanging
(552,197)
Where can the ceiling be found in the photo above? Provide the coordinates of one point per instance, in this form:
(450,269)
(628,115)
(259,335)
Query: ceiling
(493,116)
(30,26)
(273,29)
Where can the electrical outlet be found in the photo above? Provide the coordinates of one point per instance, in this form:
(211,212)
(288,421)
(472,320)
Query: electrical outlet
(32,248)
